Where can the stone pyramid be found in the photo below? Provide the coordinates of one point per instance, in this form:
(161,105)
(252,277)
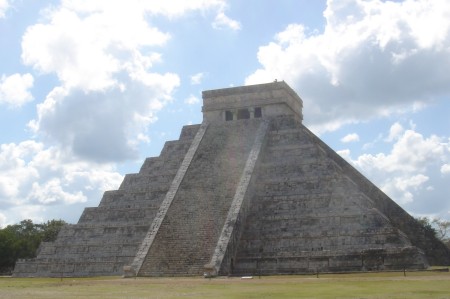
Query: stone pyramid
(249,191)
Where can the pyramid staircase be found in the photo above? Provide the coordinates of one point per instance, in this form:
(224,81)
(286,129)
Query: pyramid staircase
(190,230)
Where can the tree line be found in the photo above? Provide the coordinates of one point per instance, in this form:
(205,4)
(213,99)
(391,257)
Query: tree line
(437,227)
(19,241)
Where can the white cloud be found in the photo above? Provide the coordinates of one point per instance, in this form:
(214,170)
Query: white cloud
(103,126)
(402,188)
(292,34)
(87,51)
(192,100)
(143,138)
(350,138)
(52,191)
(43,180)
(222,22)
(373,58)
(345,153)
(411,153)
(36,213)
(197,78)
(14,170)
(14,89)
(369,145)
(2,220)
(445,169)
(4,5)
(103,54)
(409,173)
(395,132)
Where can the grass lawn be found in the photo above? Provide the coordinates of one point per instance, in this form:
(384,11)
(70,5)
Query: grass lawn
(372,285)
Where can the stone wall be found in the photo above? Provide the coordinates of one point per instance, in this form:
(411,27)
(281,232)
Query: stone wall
(275,98)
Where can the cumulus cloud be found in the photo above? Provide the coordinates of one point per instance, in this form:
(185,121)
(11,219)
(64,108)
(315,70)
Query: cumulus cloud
(51,191)
(46,178)
(410,172)
(192,100)
(411,153)
(445,169)
(345,153)
(4,5)
(87,49)
(395,132)
(197,78)
(350,138)
(373,58)
(402,188)
(103,126)
(14,89)
(103,54)
(223,22)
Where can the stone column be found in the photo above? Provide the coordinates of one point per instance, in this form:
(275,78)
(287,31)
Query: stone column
(235,114)
(251,110)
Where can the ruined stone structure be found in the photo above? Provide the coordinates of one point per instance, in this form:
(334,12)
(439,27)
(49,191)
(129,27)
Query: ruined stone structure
(249,191)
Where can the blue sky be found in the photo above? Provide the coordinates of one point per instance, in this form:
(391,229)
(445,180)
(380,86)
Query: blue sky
(89,88)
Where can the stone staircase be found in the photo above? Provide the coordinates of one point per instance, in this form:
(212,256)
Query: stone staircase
(190,230)
(307,215)
(107,237)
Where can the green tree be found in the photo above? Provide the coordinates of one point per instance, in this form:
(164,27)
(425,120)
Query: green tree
(22,240)
(51,229)
(7,250)
(28,238)
(438,227)
(442,228)
(426,225)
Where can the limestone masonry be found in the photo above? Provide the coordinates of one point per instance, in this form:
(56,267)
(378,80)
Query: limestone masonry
(250,191)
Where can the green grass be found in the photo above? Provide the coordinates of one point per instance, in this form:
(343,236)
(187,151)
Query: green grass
(373,285)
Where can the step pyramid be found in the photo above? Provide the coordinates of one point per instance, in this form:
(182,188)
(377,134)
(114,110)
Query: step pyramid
(250,191)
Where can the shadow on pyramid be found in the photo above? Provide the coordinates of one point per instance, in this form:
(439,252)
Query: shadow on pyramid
(250,191)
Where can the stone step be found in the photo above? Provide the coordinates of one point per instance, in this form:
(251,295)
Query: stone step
(132,198)
(110,215)
(135,180)
(189,233)
(282,123)
(188,132)
(175,150)
(68,269)
(347,260)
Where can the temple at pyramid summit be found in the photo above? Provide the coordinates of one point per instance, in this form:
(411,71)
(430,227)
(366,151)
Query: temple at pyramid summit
(249,191)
